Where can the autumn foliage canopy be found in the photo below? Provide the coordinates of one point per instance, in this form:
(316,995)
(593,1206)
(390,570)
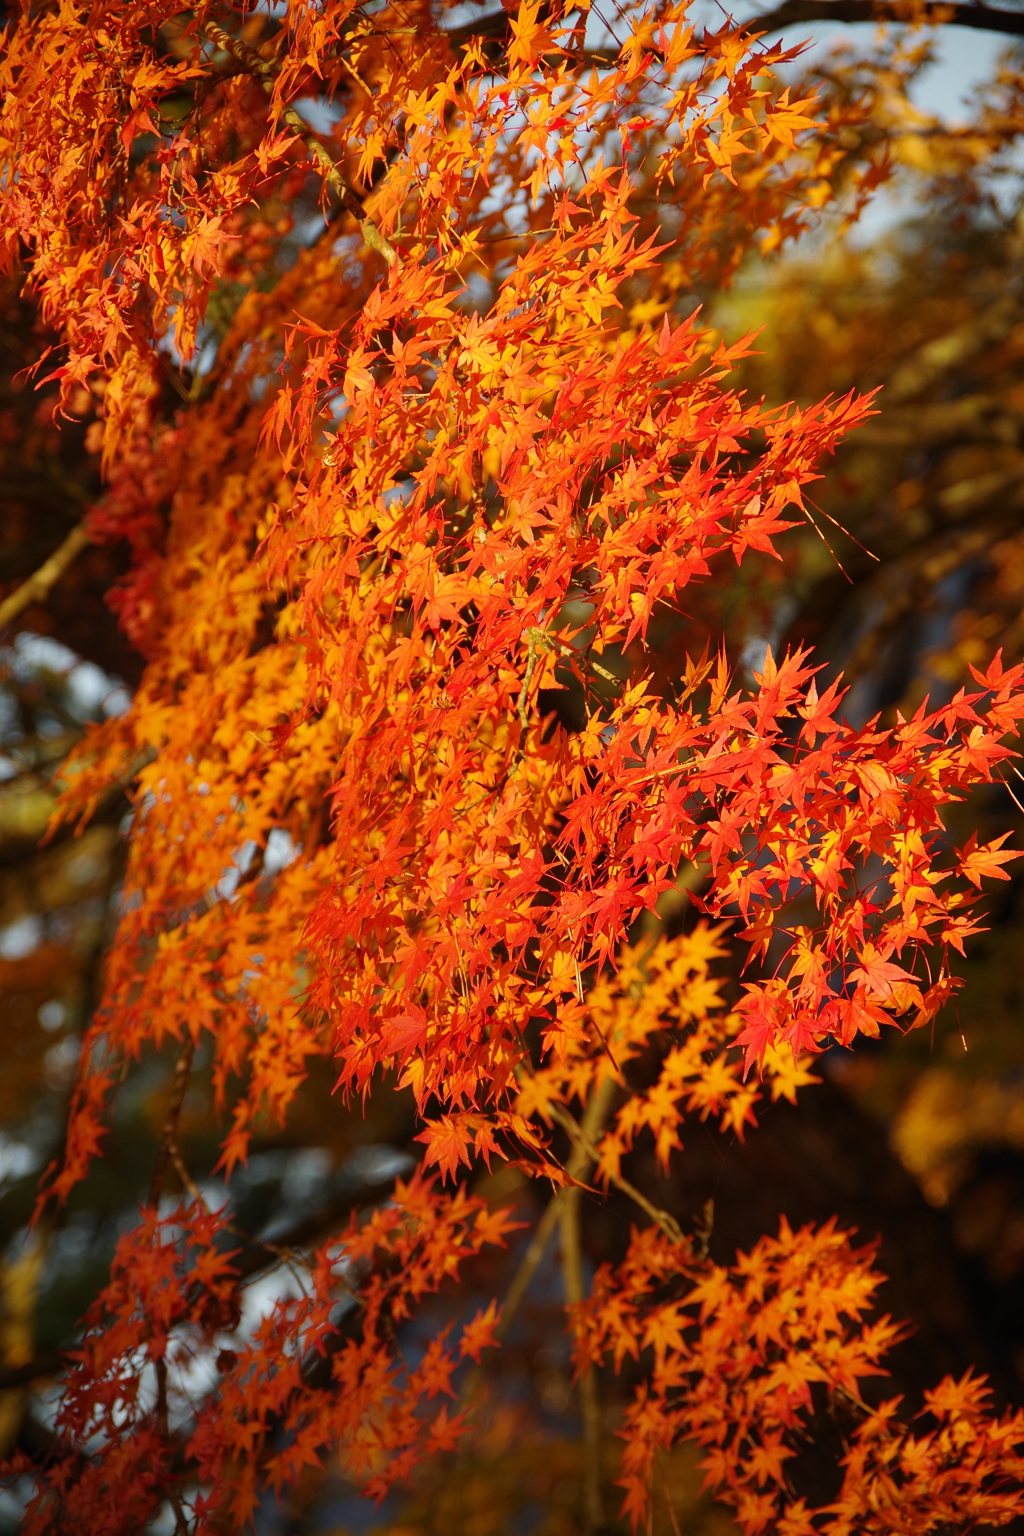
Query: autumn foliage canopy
(456,457)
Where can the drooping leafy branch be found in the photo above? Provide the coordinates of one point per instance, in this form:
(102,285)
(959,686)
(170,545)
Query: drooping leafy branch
(454,451)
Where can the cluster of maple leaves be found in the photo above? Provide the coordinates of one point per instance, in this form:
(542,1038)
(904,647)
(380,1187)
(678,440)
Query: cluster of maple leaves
(362,546)
(173,1293)
(737,1354)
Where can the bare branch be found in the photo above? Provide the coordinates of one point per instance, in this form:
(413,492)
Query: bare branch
(799,13)
(39,585)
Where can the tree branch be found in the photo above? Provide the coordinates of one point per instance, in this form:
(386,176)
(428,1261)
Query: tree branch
(169,1139)
(39,585)
(974,418)
(798,13)
(493,29)
(20,1277)
(590,1407)
(49,1362)
(164,1157)
(584,1143)
(930,364)
(528,1267)
(254,1256)
(577,1168)
(265,74)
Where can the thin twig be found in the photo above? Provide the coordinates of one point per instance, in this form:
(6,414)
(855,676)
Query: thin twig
(169,1138)
(827,545)
(188,1183)
(167,1154)
(590,1407)
(265,73)
(579,998)
(533,637)
(39,585)
(577,1169)
(668,1496)
(259,1254)
(705,1229)
(282,1252)
(664,1219)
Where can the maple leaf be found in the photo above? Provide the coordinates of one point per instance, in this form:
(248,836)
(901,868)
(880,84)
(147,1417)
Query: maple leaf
(766,1462)
(978,862)
(880,977)
(478,1334)
(447,1141)
(818,712)
(663,1331)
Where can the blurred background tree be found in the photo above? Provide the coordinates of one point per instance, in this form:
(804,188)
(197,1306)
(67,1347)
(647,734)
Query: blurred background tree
(913,571)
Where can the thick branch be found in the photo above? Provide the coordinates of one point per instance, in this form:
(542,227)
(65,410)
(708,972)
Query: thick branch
(975,418)
(800,13)
(48,1362)
(493,30)
(39,585)
(932,363)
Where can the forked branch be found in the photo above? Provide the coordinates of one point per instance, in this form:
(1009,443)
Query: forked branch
(585,1144)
